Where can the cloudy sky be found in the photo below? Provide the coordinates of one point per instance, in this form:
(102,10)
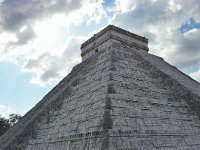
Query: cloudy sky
(40,39)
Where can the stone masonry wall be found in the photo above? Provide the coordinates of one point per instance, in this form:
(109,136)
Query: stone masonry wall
(116,99)
(149,109)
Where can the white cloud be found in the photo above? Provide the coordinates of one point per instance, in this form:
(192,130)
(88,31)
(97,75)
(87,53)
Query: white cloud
(49,68)
(92,11)
(174,6)
(39,33)
(196,75)
(185,49)
(159,21)
(40,38)
(125,5)
(5,111)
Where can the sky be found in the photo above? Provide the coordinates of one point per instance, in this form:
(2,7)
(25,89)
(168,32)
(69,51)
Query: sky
(40,40)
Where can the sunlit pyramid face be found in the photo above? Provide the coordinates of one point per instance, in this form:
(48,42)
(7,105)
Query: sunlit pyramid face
(119,97)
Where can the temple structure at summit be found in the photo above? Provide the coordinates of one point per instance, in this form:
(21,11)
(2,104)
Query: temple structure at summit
(109,35)
(120,97)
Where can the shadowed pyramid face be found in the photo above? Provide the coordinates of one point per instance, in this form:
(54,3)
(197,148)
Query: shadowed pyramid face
(117,98)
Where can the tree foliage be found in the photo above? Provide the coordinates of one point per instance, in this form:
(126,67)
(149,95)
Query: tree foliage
(13,118)
(5,124)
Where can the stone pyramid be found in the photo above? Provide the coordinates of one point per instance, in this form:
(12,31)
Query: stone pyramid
(119,97)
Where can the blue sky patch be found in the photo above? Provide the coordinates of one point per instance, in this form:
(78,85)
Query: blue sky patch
(108,3)
(189,25)
(15,92)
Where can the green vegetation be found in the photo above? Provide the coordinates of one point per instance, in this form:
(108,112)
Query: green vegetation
(5,124)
